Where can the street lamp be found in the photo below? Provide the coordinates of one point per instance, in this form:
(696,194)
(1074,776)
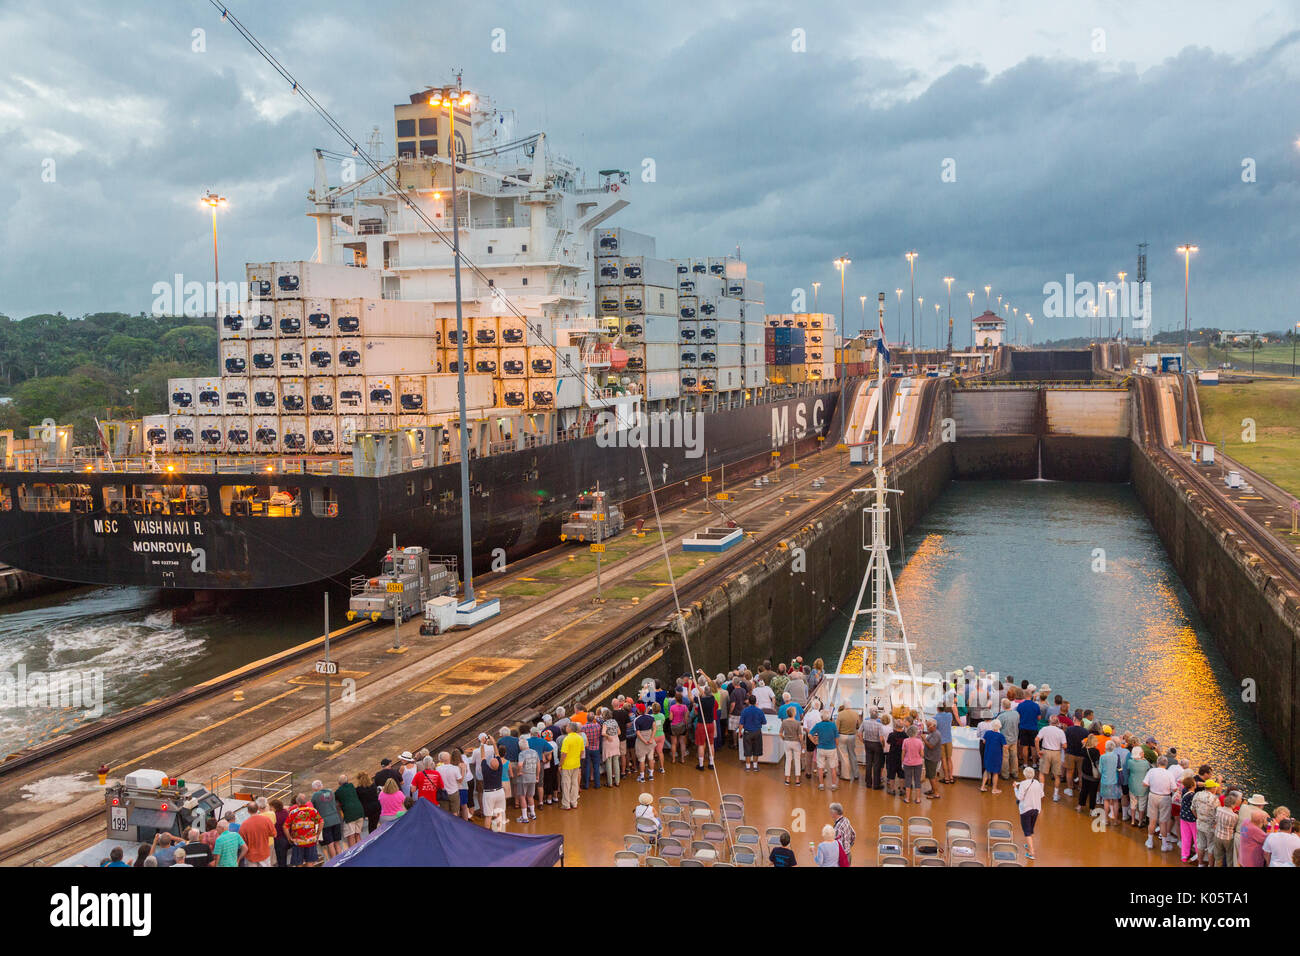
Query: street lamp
(1015,314)
(899,293)
(971,297)
(842,263)
(911,271)
(816,286)
(1110,298)
(1186,250)
(1030,319)
(920,304)
(214,201)
(1122,274)
(948,281)
(453,98)
(987,290)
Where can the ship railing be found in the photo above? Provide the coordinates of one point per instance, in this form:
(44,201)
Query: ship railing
(188,465)
(249,783)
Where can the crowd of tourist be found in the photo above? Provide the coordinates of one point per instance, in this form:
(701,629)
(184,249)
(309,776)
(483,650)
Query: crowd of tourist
(1026,734)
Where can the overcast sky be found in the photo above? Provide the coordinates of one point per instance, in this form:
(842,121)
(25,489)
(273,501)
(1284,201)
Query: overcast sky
(1074,131)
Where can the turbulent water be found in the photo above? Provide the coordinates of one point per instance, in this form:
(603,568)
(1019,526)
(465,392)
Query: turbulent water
(1008,576)
(115,648)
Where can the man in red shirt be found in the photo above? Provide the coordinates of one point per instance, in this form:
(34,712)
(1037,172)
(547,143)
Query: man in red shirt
(258,831)
(427,782)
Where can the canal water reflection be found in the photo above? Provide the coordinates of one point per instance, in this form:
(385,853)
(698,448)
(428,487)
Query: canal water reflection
(1068,583)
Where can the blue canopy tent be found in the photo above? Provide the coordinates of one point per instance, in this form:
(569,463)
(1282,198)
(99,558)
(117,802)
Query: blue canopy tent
(427,836)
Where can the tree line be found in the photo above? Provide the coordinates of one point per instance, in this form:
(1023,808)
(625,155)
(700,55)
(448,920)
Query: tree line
(100,365)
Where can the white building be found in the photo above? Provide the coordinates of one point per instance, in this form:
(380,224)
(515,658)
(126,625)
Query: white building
(989,330)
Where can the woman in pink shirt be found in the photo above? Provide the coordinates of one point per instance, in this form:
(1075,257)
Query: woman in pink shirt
(678,724)
(913,762)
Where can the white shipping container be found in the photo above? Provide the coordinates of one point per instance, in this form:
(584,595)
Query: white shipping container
(210,438)
(718,267)
(728,310)
(234,324)
(288,318)
(184,433)
(698,284)
(483,331)
(755,376)
(609,300)
(688,333)
(749,290)
(442,393)
(181,396)
(541,391)
(722,333)
(485,360)
(708,306)
(410,394)
(322,434)
(609,271)
(157,432)
(320,355)
(260,321)
(322,395)
(261,279)
(644,270)
(719,356)
(514,361)
(290,356)
(730,378)
(236,395)
(568,391)
(650,358)
(238,437)
(293,434)
(347,316)
(350,352)
(511,330)
(623,243)
(650,329)
(688,356)
(207,395)
(380,423)
(413,421)
(265,395)
(639,299)
(293,396)
(349,425)
(319,280)
(318,316)
(393,356)
(379,395)
(688,307)
(540,330)
(351,393)
(689,379)
(261,356)
(395,317)
(511,392)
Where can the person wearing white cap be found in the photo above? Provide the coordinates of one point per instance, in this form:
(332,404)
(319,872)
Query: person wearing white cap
(1029,800)
(409,769)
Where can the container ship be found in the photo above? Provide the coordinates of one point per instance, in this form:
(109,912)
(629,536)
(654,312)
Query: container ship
(332,424)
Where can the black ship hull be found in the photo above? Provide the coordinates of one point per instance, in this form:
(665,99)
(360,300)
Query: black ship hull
(519,500)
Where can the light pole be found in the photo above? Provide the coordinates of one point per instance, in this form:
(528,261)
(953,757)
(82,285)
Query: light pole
(816,286)
(1122,299)
(842,263)
(213,200)
(1015,314)
(1030,319)
(987,290)
(911,271)
(453,97)
(948,281)
(938,330)
(899,293)
(863,300)
(971,297)
(1110,309)
(920,304)
(1186,250)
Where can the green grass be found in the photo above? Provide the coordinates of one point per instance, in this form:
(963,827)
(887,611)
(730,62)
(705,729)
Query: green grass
(1275,407)
(1240,358)
(529,588)
(681,564)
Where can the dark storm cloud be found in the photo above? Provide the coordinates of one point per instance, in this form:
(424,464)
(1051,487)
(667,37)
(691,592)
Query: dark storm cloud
(1063,160)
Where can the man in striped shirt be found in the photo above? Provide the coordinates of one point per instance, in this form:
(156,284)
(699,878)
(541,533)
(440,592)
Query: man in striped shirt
(845,835)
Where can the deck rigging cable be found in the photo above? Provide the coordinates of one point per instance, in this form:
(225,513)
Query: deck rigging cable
(300,90)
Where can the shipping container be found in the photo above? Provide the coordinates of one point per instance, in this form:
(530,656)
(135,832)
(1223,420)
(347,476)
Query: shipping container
(719,356)
(266,395)
(322,434)
(608,271)
(288,318)
(660,385)
(623,243)
(379,395)
(688,307)
(293,434)
(511,392)
(184,433)
(211,440)
(322,395)
(350,392)
(751,290)
(380,422)
(541,391)
(568,391)
(318,316)
(233,323)
(293,396)
(688,333)
(260,322)
(410,394)
(349,352)
(349,425)
(541,361)
(644,270)
(238,438)
(609,300)
(157,432)
(261,279)
(396,317)
(393,356)
(708,306)
(236,395)
(290,356)
(485,361)
(442,393)
(413,421)
(724,267)
(320,280)
(690,379)
(261,356)
(726,310)
(511,331)
(688,356)
(453,336)
(320,355)
(650,358)
(181,397)
(755,376)
(514,361)
(484,331)
(347,316)
(207,395)
(698,284)
(541,331)
(651,329)
(649,299)
(453,364)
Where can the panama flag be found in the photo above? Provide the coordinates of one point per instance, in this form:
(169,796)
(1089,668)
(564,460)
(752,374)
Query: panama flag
(880,339)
